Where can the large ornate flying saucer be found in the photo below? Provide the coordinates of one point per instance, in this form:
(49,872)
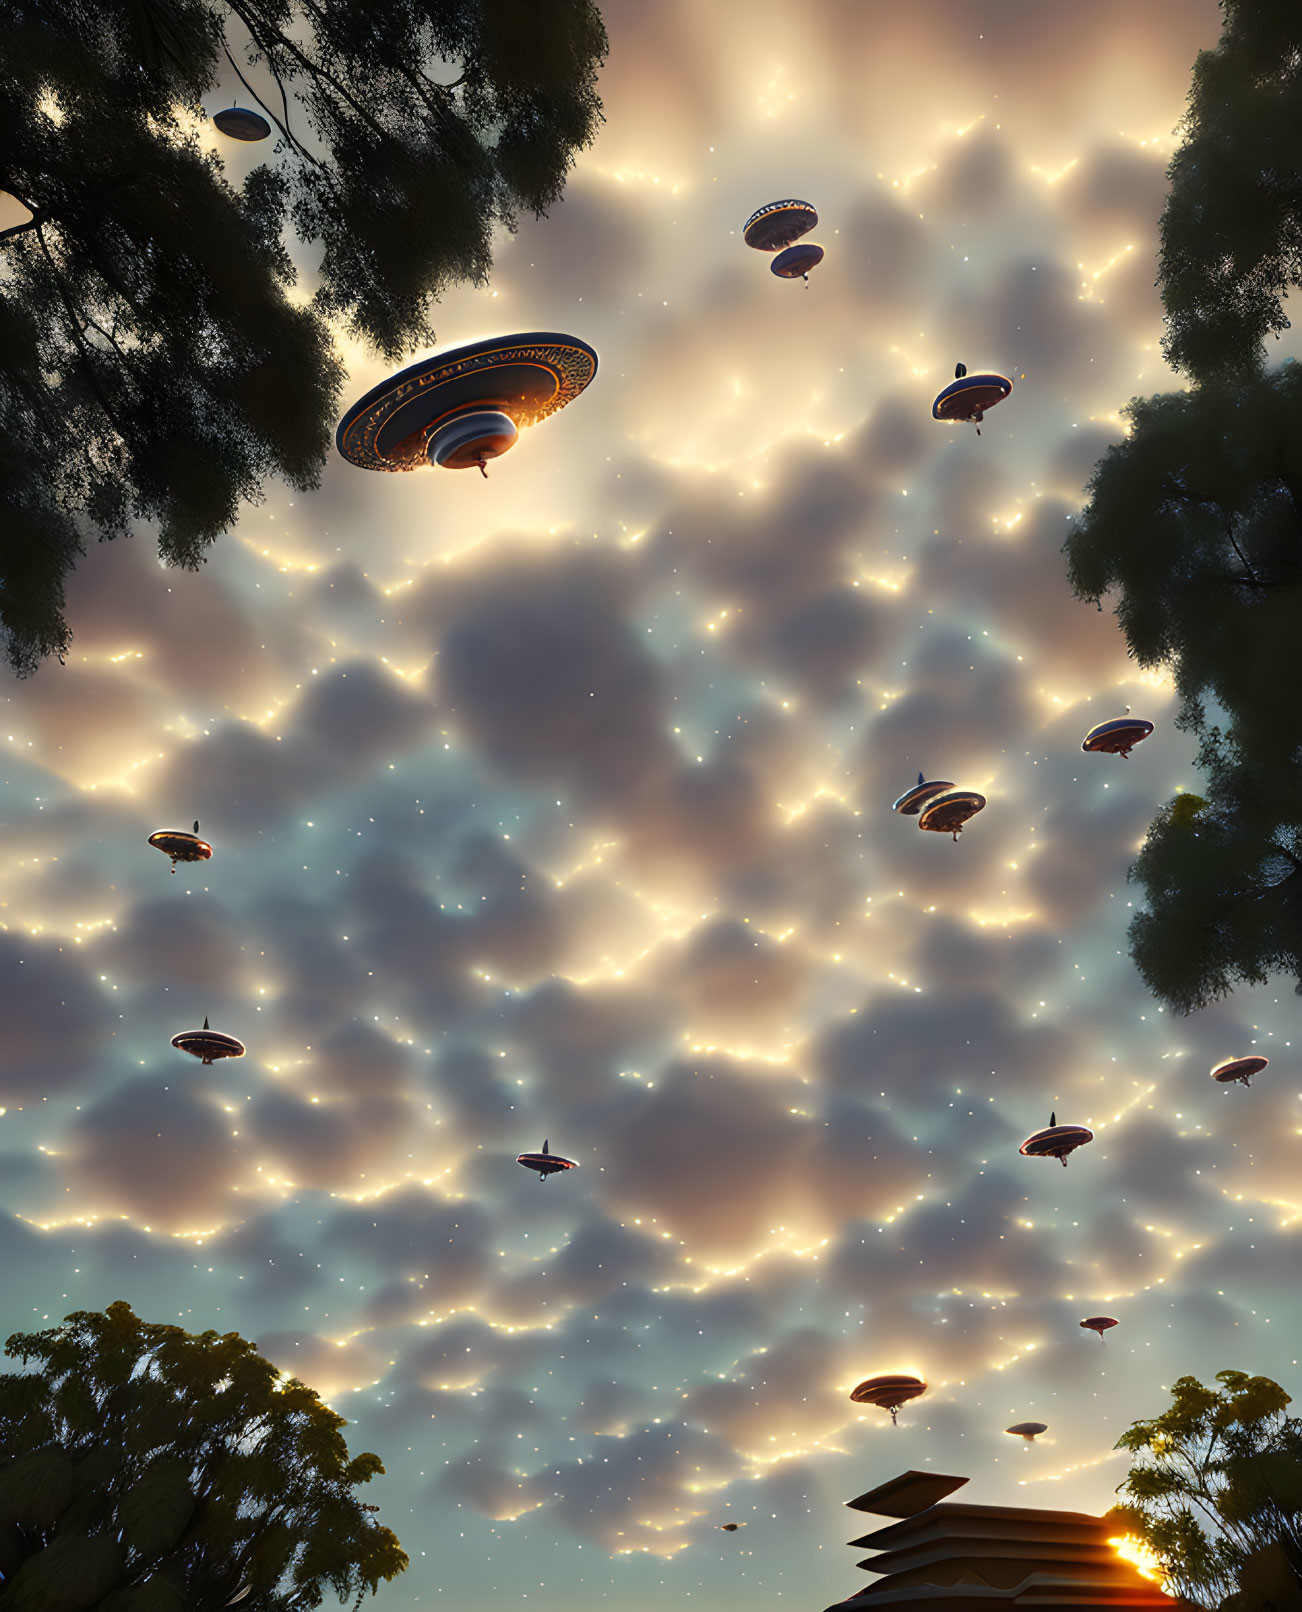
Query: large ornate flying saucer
(795,262)
(241,124)
(1117,737)
(208,1044)
(461,408)
(770,228)
(967,397)
(1056,1141)
(946,814)
(1028,1430)
(1238,1069)
(180,846)
(888,1392)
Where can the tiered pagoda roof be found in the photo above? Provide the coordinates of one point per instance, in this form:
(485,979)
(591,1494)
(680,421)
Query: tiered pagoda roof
(956,1556)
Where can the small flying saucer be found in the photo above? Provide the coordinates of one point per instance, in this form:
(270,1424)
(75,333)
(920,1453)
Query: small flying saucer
(731,1527)
(889,1392)
(1028,1430)
(208,1044)
(913,800)
(1117,737)
(180,846)
(546,1163)
(796,261)
(461,408)
(1238,1069)
(1099,1324)
(777,225)
(967,397)
(1056,1142)
(946,814)
(241,124)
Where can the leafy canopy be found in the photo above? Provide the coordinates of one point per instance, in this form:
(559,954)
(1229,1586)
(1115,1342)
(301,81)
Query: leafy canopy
(1231,238)
(144,1469)
(1194,526)
(156,359)
(1217,1493)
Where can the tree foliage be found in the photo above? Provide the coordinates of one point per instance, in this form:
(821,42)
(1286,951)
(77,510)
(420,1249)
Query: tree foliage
(144,1469)
(1231,237)
(1194,525)
(1217,1493)
(156,362)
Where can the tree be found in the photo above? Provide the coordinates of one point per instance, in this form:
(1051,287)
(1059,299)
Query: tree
(148,1470)
(1231,240)
(154,361)
(1219,1499)
(1194,524)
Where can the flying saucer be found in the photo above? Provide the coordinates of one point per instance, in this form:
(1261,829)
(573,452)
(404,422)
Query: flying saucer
(967,397)
(546,1163)
(1028,1430)
(208,1044)
(461,408)
(771,228)
(1056,1142)
(241,124)
(946,814)
(180,846)
(888,1393)
(731,1527)
(913,800)
(1118,737)
(1099,1324)
(796,261)
(1238,1069)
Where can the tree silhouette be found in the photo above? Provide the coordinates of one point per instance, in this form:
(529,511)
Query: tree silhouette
(1194,524)
(144,1469)
(155,363)
(1218,1495)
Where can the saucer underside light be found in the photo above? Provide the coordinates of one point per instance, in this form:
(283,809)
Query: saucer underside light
(460,408)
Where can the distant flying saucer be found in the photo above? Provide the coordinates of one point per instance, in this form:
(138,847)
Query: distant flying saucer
(1117,737)
(208,1044)
(459,409)
(796,261)
(1056,1142)
(1028,1430)
(888,1393)
(1241,1069)
(546,1163)
(946,814)
(180,846)
(241,124)
(731,1527)
(1099,1324)
(913,800)
(967,397)
(771,228)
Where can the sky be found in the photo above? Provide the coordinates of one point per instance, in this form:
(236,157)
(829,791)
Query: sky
(558,805)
